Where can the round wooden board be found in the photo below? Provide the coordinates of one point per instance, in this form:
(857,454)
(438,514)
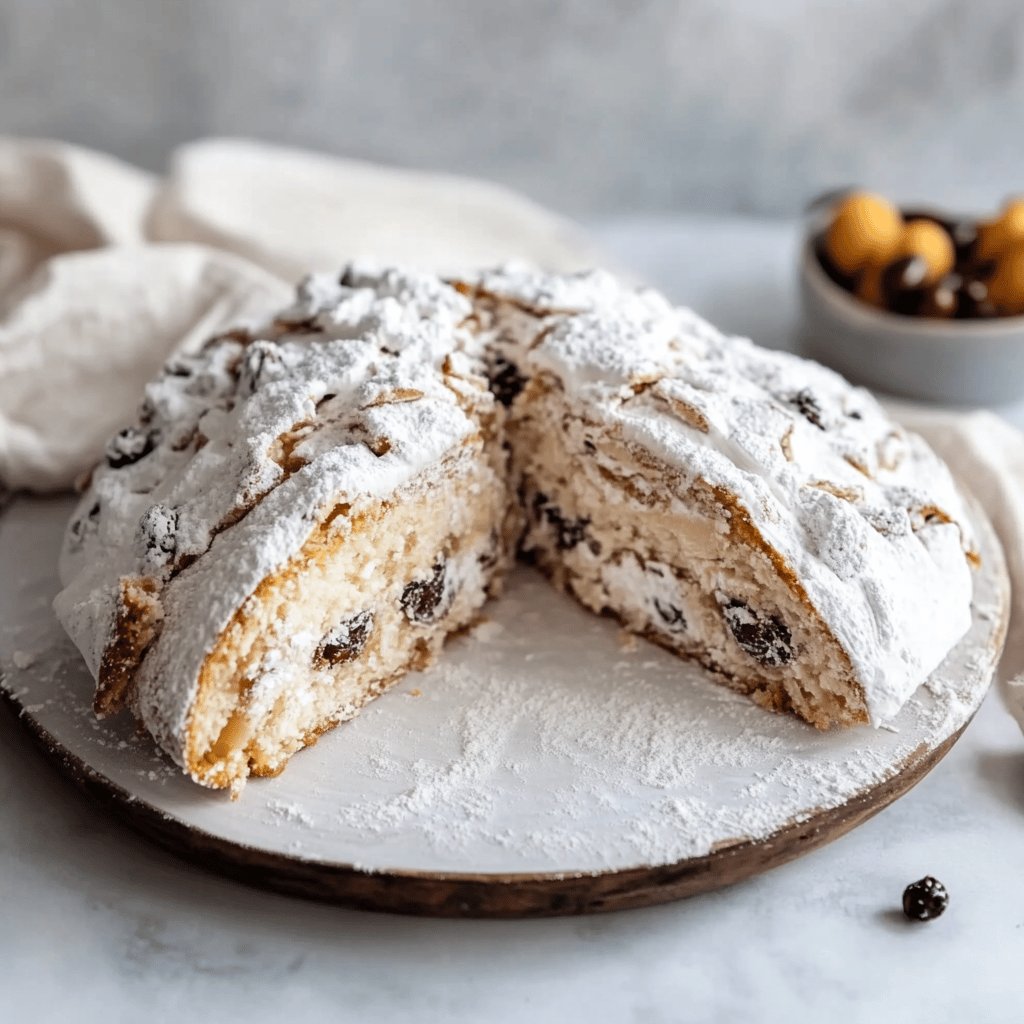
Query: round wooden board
(548,766)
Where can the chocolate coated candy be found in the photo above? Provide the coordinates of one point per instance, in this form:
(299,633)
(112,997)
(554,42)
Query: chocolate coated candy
(903,285)
(965,239)
(973,302)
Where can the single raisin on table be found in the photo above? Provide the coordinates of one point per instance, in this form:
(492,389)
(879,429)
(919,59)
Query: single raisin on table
(766,638)
(925,899)
(425,601)
(346,641)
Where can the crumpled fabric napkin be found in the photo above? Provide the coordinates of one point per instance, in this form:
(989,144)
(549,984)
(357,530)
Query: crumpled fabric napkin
(105,271)
(292,212)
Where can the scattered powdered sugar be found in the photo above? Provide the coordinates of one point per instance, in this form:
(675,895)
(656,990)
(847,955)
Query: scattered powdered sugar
(487,630)
(290,813)
(23,659)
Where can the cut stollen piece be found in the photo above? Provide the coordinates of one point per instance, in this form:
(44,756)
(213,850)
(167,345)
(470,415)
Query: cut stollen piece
(739,506)
(300,514)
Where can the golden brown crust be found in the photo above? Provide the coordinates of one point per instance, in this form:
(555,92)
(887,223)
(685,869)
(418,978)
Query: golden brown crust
(137,624)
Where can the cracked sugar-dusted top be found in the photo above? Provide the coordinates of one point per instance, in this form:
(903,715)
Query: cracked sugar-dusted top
(238,449)
(864,514)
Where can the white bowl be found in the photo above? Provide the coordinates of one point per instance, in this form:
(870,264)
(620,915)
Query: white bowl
(978,362)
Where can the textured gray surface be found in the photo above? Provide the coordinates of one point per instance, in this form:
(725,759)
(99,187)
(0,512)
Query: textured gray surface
(589,105)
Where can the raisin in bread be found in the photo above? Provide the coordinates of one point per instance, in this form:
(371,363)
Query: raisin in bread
(301,514)
(740,506)
(305,510)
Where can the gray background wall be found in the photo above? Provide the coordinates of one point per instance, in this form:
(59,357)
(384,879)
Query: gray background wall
(594,106)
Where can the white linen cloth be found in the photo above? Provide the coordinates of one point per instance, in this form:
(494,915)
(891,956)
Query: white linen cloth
(105,271)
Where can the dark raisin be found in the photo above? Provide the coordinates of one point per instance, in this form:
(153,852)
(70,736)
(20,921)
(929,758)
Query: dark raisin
(568,532)
(346,641)
(488,558)
(262,361)
(925,899)
(766,638)
(426,600)
(85,524)
(128,446)
(670,615)
(505,380)
(807,405)
(158,528)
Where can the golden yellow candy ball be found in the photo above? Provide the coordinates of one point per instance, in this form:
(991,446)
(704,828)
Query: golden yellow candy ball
(1006,286)
(999,234)
(865,229)
(932,243)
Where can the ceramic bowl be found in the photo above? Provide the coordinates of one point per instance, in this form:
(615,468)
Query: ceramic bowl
(976,362)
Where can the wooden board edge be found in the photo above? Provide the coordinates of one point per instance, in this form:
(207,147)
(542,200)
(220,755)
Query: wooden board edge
(473,895)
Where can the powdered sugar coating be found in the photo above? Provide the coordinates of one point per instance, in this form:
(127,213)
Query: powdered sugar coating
(344,397)
(864,514)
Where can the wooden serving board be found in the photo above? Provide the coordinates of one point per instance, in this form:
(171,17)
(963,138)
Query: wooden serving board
(549,765)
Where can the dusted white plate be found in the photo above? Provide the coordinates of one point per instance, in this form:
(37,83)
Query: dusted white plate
(548,765)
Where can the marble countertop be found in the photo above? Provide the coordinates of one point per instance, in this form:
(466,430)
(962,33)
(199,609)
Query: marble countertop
(97,924)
